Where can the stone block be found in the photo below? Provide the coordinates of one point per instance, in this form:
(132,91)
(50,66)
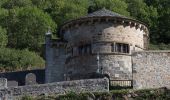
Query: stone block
(30,79)
(3,83)
(12,83)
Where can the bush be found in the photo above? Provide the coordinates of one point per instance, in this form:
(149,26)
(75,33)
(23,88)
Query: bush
(11,59)
(27,98)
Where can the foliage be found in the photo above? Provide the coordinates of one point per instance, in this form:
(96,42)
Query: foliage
(162,34)
(27,27)
(3,37)
(145,94)
(160,46)
(64,10)
(118,6)
(27,98)
(11,59)
(9,4)
(3,16)
(73,96)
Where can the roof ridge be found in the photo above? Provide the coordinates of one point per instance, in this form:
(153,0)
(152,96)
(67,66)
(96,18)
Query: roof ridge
(103,12)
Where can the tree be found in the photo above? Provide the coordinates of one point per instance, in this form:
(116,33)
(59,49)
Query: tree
(64,10)
(164,21)
(27,27)
(3,37)
(9,4)
(163,8)
(118,6)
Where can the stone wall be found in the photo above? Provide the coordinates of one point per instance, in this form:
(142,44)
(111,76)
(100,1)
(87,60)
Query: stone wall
(55,60)
(116,66)
(104,32)
(151,69)
(90,85)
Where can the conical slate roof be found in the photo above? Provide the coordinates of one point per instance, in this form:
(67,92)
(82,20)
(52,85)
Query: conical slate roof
(104,12)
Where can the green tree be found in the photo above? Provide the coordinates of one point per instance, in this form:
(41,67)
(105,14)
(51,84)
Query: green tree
(163,32)
(118,6)
(64,10)
(164,21)
(3,37)
(27,27)
(2,2)
(9,4)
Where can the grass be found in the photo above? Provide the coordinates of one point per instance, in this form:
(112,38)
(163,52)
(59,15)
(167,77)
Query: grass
(125,94)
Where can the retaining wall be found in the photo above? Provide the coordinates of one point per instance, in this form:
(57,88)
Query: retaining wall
(90,85)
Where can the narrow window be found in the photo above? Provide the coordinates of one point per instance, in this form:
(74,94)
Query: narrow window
(118,45)
(88,49)
(125,48)
(80,49)
(113,47)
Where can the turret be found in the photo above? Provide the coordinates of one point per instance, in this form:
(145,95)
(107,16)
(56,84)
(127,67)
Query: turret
(113,36)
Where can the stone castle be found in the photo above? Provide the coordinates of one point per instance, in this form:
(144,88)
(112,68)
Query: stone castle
(107,43)
(100,44)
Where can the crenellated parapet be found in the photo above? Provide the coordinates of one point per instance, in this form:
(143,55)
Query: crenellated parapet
(115,20)
(107,32)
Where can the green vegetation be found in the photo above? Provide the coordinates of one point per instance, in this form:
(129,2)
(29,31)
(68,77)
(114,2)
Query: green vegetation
(27,26)
(23,23)
(161,46)
(146,94)
(3,37)
(12,59)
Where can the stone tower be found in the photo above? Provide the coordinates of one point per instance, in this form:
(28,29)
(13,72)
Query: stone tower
(105,35)
(55,59)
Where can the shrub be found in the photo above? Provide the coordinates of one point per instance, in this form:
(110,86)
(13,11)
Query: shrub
(26,98)
(11,59)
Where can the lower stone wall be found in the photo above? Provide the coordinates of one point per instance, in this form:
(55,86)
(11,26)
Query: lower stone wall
(151,69)
(118,67)
(90,85)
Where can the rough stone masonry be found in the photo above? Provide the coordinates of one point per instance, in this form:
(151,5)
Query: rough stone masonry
(89,85)
(151,69)
(113,36)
